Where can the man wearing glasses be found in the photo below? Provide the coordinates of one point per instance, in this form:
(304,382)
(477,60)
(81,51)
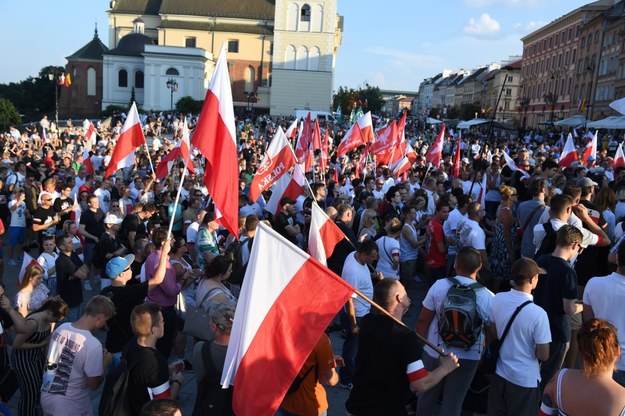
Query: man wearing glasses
(45,219)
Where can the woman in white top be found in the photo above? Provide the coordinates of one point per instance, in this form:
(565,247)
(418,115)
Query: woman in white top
(33,293)
(388,249)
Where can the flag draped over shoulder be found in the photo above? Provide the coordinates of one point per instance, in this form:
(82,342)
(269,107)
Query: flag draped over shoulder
(214,137)
(129,140)
(323,236)
(278,159)
(287,300)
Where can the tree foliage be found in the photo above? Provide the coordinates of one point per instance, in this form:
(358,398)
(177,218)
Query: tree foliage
(189,105)
(8,114)
(367,97)
(33,96)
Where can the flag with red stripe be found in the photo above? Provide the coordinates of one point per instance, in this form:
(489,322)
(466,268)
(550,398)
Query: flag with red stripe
(323,236)
(129,140)
(278,159)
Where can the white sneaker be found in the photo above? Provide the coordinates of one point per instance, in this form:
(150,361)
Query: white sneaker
(88,286)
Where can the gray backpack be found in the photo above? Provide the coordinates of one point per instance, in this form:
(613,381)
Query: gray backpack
(459,324)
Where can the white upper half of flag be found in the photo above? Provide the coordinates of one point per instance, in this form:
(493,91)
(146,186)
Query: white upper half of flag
(264,282)
(569,146)
(292,128)
(221,88)
(277,190)
(299,176)
(278,143)
(132,118)
(619,105)
(513,165)
(315,243)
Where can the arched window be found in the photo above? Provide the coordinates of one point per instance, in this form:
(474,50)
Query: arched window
(122,78)
(172,71)
(313,59)
(249,79)
(139,79)
(292,17)
(289,57)
(301,61)
(316,21)
(304,14)
(91,86)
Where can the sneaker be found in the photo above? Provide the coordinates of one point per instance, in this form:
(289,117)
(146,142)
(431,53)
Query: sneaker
(88,286)
(13,262)
(347,386)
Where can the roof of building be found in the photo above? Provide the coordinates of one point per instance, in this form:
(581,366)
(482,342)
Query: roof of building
(219,27)
(149,7)
(133,44)
(251,9)
(92,50)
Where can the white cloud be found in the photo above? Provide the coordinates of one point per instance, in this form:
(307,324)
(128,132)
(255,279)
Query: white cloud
(529,26)
(484,27)
(405,57)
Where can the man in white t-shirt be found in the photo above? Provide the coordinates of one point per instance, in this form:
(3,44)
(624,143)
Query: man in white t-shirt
(356,272)
(470,233)
(603,299)
(104,195)
(515,387)
(456,216)
(456,384)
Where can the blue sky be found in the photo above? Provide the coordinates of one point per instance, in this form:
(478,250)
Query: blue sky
(393,44)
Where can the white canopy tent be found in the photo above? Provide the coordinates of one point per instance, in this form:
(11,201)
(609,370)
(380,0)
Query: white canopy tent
(431,120)
(470,123)
(573,121)
(612,122)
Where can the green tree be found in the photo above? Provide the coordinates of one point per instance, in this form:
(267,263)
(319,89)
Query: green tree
(189,105)
(369,98)
(8,114)
(468,110)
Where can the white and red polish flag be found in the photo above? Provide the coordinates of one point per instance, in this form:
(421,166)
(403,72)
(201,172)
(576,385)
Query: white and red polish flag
(482,195)
(302,149)
(286,186)
(323,157)
(360,133)
(434,153)
(214,137)
(590,149)
(278,159)
(401,166)
(387,140)
(316,136)
(181,150)
(287,300)
(27,262)
(90,134)
(513,165)
(291,132)
(619,158)
(455,168)
(569,153)
(129,140)
(323,236)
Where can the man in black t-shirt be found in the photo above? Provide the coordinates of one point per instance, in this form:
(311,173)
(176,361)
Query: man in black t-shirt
(388,358)
(63,206)
(45,219)
(133,224)
(556,293)
(125,298)
(70,270)
(285,223)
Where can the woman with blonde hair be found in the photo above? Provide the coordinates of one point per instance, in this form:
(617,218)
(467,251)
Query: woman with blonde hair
(591,390)
(32,292)
(368,225)
(502,252)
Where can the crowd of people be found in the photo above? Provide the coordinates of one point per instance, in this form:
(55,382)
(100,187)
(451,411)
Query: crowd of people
(536,237)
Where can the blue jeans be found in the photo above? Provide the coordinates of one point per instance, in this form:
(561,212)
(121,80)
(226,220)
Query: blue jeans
(350,349)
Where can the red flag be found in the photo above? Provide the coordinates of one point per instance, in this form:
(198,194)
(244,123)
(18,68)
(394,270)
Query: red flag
(569,153)
(286,186)
(129,140)
(181,150)
(434,153)
(335,175)
(410,153)
(323,236)
(590,149)
(287,300)
(401,166)
(291,132)
(323,157)
(455,168)
(214,137)
(386,145)
(278,159)
(316,136)
(303,143)
(401,127)
(62,79)
(619,158)
(86,161)
(90,134)
(360,133)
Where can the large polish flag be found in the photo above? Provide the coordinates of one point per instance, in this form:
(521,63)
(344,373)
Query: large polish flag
(590,149)
(181,150)
(619,158)
(129,140)
(323,236)
(278,159)
(286,186)
(435,152)
(360,133)
(386,142)
(569,153)
(214,137)
(90,134)
(287,300)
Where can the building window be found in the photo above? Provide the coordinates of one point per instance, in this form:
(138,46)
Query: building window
(510,78)
(249,79)
(189,42)
(172,71)
(122,78)
(304,15)
(91,82)
(233,46)
(139,79)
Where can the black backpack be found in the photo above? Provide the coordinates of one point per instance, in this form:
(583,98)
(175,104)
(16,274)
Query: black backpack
(114,400)
(548,245)
(211,398)
(238,267)
(459,324)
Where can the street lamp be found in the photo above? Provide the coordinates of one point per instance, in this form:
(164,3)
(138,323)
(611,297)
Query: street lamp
(172,85)
(53,76)
(552,98)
